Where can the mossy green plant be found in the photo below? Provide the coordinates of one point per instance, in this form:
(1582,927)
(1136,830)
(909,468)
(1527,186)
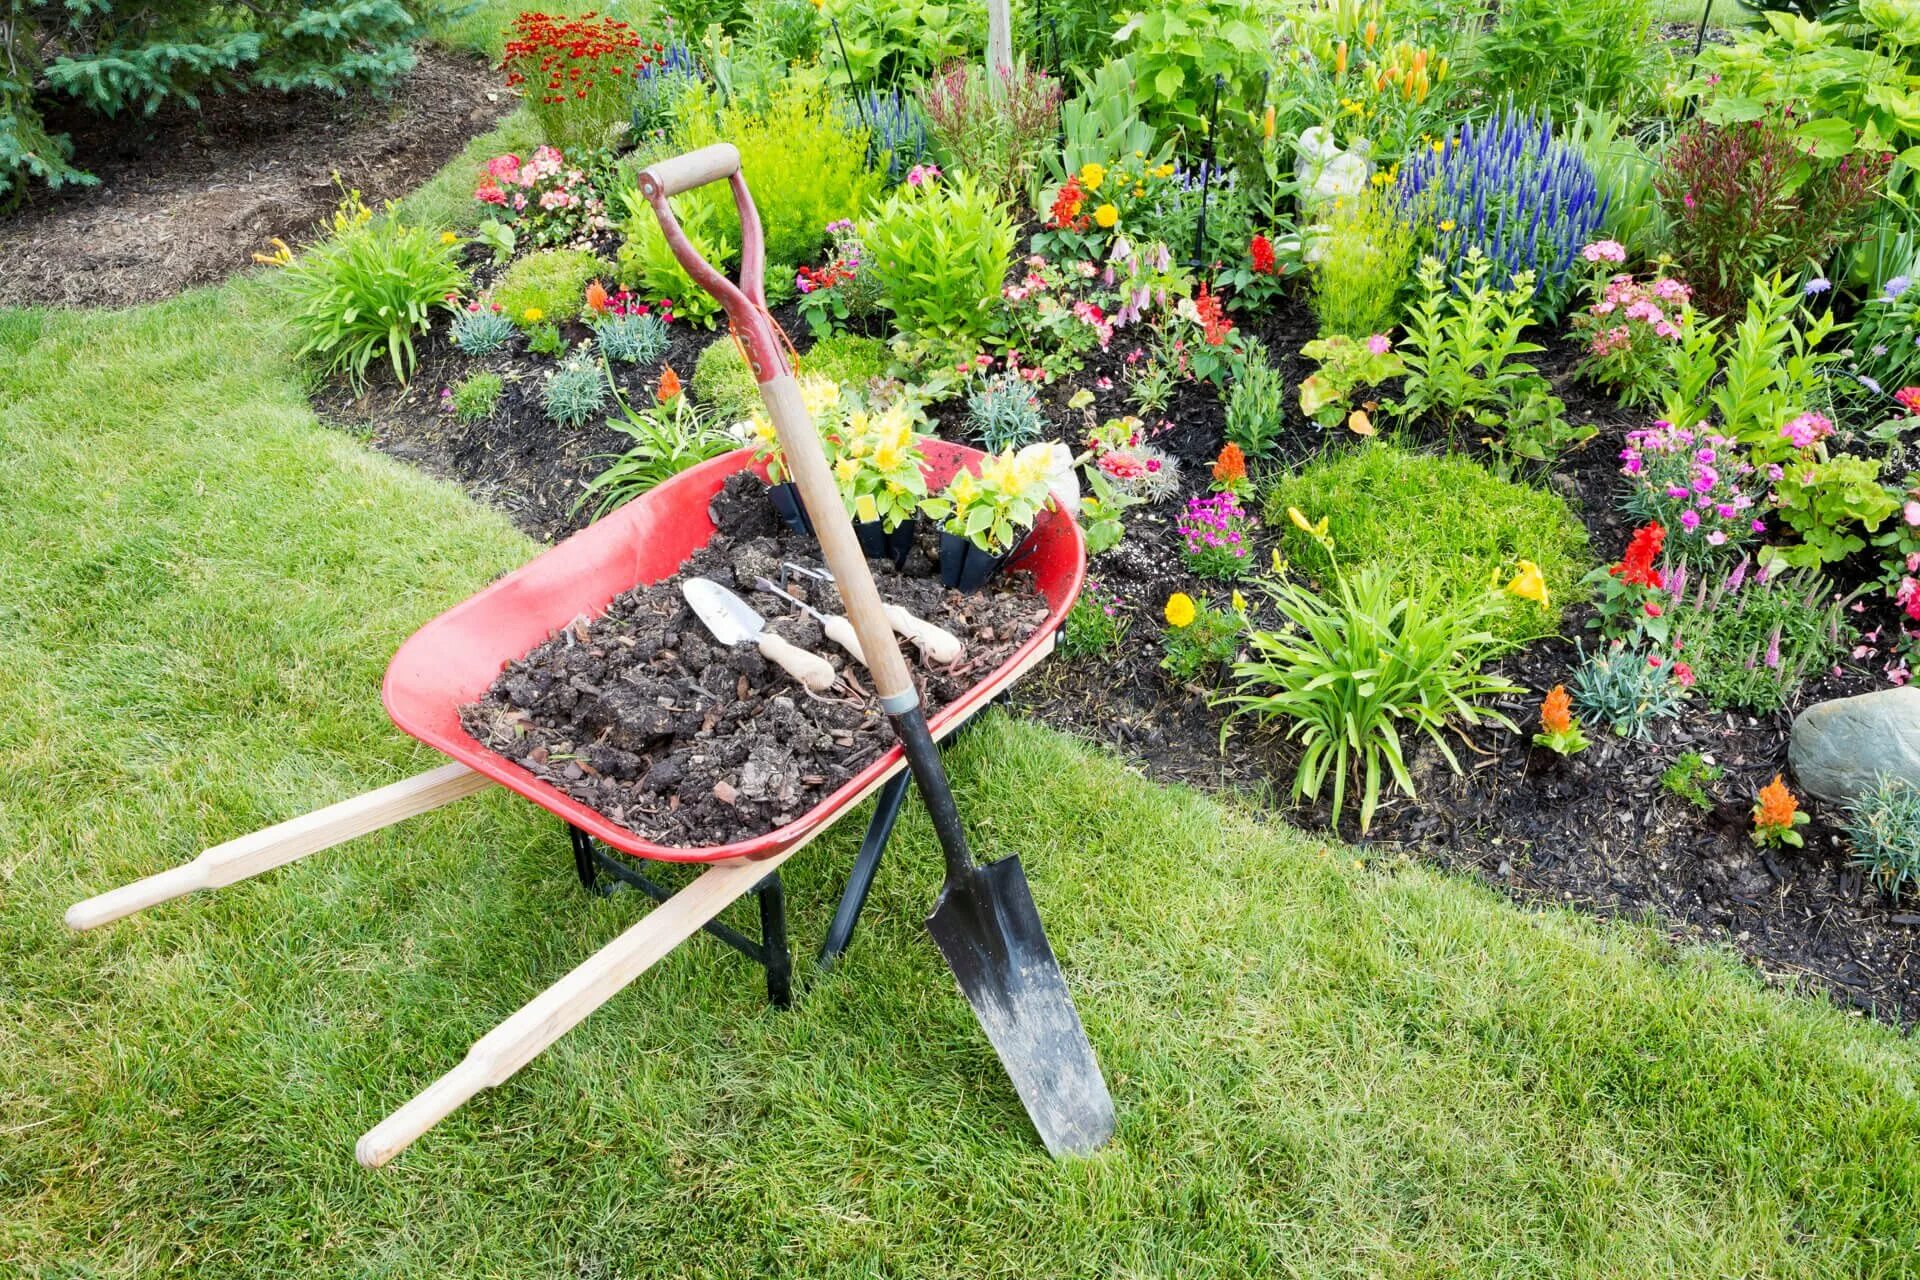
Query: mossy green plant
(1443,521)
(548,286)
(724,385)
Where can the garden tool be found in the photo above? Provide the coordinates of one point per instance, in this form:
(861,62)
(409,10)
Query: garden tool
(984,921)
(838,629)
(939,644)
(734,622)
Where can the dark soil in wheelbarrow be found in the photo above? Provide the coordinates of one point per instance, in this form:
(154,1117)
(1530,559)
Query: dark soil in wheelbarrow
(643,716)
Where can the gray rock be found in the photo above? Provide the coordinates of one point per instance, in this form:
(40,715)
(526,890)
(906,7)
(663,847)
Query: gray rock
(1840,747)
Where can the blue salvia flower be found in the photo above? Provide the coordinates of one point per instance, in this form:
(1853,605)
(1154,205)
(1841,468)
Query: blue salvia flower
(899,133)
(1528,201)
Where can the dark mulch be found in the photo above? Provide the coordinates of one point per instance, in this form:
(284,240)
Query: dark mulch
(187,197)
(643,715)
(1597,832)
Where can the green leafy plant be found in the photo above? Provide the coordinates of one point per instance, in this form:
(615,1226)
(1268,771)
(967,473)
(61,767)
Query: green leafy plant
(940,251)
(1777,817)
(1832,505)
(1360,662)
(647,264)
(1749,638)
(723,382)
(904,39)
(1257,405)
(1558,56)
(1883,825)
(365,291)
(482,327)
(1359,265)
(1766,371)
(668,437)
(1628,689)
(1176,51)
(545,339)
(881,470)
(1688,778)
(1199,638)
(995,508)
(575,391)
(1444,521)
(633,339)
(1096,625)
(1346,365)
(1462,346)
(548,285)
(1004,413)
(476,397)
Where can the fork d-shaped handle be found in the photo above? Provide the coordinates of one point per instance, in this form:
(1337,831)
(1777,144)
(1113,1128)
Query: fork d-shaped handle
(746,308)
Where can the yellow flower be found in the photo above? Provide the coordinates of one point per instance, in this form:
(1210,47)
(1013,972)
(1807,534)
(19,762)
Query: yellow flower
(1239,601)
(1446,224)
(1166,170)
(1138,192)
(1279,563)
(533,315)
(280,256)
(846,471)
(1529,583)
(1318,531)
(1106,215)
(1180,610)
(1092,175)
(447,237)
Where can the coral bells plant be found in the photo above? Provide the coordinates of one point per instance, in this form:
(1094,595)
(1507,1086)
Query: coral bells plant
(1777,817)
(575,73)
(1628,328)
(1217,534)
(548,200)
(1559,731)
(1696,483)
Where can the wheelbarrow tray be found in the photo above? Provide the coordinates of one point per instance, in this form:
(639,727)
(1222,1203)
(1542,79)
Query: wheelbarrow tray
(451,661)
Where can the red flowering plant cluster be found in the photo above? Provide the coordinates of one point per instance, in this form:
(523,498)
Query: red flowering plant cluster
(576,73)
(546,200)
(837,291)
(1253,279)
(1218,353)
(1630,599)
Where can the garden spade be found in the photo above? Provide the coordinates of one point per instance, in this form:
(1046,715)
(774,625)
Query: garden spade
(984,922)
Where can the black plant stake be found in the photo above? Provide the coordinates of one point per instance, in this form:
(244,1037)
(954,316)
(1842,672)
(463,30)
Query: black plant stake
(1700,36)
(1206,178)
(853,86)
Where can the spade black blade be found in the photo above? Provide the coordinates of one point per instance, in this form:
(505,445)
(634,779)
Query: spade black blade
(986,925)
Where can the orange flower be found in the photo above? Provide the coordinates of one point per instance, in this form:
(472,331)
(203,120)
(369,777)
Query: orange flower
(1230,468)
(669,385)
(1556,711)
(1776,808)
(597,298)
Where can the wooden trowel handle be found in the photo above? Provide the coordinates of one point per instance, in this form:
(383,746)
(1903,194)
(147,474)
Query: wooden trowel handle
(838,544)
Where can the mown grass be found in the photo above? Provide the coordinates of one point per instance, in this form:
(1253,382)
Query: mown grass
(1323,1069)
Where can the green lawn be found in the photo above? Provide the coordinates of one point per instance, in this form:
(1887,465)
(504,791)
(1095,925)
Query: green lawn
(1321,1069)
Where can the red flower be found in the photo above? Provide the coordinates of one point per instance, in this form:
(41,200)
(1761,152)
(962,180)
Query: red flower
(1262,251)
(1636,567)
(1066,215)
(1215,326)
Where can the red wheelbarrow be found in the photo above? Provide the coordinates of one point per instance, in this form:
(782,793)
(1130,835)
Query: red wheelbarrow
(984,921)
(452,660)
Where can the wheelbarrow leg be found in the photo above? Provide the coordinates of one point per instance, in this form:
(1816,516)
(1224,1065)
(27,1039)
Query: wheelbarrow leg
(774,951)
(865,865)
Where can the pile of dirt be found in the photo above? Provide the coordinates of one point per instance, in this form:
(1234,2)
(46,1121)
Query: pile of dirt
(186,197)
(642,715)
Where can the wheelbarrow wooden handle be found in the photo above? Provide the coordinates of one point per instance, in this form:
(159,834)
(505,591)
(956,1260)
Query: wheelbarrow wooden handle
(694,169)
(496,1056)
(275,846)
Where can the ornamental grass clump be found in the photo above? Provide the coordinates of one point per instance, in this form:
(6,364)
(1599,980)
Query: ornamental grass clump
(1883,824)
(1628,690)
(1216,535)
(1510,189)
(482,327)
(1357,665)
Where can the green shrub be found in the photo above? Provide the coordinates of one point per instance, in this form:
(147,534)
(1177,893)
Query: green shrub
(940,253)
(545,339)
(806,166)
(647,264)
(1884,826)
(576,390)
(1444,522)
(1360,266)
(476,397)
(121,57)
(724,385)
(1357,665)
(1095,625)
(1257,405)
(365,291)
(551,283)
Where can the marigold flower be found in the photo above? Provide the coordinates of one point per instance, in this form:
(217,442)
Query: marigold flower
(448,237)
(1092,175)
(669,385)
(1529,583)
(1180,609)
(1106,215)
(533,315)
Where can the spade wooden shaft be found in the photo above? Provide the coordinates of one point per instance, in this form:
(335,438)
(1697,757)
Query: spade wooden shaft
(807,463)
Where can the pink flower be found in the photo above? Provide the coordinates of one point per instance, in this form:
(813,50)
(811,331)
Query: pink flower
(1379,345)
(1684,674)
(1908,398)
(1604,251)
(1911,513)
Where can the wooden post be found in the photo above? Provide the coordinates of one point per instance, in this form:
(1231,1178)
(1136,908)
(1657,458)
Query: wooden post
(999,45)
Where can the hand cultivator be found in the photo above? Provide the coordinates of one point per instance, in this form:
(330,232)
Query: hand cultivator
(984,920)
